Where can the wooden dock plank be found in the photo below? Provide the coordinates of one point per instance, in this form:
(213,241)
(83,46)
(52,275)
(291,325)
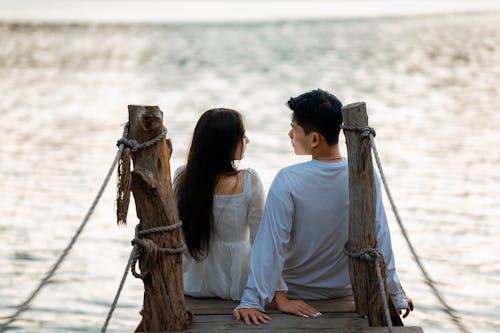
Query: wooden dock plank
(281,320)
(339,316)
(208,306)
(267,329)
(328,322)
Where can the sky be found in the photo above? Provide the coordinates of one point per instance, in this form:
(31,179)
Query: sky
(215,11)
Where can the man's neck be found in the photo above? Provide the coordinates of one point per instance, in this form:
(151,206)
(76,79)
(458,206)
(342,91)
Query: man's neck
(329,154)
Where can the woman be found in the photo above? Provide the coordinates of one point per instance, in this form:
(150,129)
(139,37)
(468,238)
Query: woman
(220,207)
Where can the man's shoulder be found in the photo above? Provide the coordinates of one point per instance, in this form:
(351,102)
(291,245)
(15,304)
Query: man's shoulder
(298,167)
(290,173)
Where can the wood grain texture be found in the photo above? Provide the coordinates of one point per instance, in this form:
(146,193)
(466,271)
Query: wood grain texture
(164,307)
(339,316)
(331,320)
(362,203)
(208,306)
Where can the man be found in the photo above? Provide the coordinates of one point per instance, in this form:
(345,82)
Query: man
(298,252)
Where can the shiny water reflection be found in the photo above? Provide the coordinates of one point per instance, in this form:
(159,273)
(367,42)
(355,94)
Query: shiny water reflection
(432,86)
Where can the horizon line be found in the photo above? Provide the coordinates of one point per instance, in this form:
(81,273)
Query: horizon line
(133,11)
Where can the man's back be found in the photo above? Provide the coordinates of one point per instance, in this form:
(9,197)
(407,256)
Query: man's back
(300,243)
(317,193)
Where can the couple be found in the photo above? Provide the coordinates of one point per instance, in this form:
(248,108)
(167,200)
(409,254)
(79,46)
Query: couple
(298,237)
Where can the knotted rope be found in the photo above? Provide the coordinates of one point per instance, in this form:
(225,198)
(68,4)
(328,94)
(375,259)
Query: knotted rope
(370,133)
(141,245)
(365,131)
(374,256)
(135,146)
(144,246)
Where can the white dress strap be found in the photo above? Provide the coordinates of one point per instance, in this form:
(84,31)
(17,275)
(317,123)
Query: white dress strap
(246,184)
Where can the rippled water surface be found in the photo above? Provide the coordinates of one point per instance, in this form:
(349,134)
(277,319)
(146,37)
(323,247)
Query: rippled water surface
(431,84)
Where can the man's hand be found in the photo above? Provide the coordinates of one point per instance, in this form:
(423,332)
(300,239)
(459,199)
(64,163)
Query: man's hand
(296,307)
(410,306)
(251,315)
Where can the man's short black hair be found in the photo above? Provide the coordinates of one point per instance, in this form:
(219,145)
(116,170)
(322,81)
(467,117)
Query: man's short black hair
(319,111)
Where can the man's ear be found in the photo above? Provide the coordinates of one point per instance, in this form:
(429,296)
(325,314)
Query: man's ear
(316,139)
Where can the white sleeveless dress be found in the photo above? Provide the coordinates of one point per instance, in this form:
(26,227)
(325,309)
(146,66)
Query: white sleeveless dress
(223,272)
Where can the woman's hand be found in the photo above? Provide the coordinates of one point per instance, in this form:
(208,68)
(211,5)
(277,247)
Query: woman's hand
(296,307)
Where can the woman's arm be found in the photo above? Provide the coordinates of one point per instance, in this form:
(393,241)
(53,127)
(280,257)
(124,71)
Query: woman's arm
(256,201)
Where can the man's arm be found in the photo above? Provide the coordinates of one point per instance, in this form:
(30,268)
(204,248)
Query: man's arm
(268,254)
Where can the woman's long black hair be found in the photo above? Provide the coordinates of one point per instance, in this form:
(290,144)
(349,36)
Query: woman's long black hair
(215,140)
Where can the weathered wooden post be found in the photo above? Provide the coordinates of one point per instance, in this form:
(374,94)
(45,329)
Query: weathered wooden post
(164,308)
(362,231)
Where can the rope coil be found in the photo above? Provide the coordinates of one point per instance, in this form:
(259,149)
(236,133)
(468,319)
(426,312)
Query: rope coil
(374,256)
(135,146)
(365,130)
(160,229)
(367,254)
(147,246)
(138,245)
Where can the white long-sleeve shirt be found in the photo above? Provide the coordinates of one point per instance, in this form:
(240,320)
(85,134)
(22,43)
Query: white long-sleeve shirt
(299,246)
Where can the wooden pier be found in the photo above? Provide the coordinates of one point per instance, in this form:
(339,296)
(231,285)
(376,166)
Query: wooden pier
(338,315)
(164,307)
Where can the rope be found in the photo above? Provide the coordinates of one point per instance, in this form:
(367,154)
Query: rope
(117,295)
(25,305)
(160,229)
(367,131)
(135,255)
(140,245)
(374,256)
(135,146)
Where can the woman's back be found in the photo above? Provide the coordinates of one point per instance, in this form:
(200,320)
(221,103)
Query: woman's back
(236,217)
(232,211)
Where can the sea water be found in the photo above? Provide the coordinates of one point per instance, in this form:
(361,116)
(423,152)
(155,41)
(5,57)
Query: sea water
(432,89)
